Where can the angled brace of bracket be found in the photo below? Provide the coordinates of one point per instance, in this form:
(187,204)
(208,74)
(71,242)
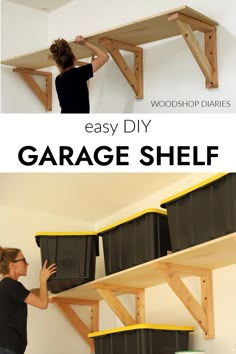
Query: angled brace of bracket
(203,313)
(107,292)
(44,97)
(135,79)
(63,305)
(207,61)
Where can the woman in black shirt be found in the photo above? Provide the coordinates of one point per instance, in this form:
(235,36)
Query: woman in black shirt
(71,84)
(14,298)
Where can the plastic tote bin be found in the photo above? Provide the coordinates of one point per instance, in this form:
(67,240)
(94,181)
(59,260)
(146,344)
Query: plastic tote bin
(203,212)
(75,255)
(135,240)
(142,339)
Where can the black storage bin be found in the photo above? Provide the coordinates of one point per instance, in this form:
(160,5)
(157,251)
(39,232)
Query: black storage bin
(74,254)
(142,339)
(135,240)
(203,212)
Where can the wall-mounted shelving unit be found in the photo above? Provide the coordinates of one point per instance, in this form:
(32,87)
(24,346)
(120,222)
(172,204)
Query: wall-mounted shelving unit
(197,261)
(180,21)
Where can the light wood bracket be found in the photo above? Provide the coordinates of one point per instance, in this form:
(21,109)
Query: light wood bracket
(207,60)
(140,307)
(44,97)
(63,305)
(134,78)
(203,313)
(109,293)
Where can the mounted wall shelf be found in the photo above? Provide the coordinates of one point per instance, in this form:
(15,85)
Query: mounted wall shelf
(197,261)
(180,21)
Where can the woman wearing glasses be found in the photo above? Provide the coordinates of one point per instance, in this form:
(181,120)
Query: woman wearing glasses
(14,298)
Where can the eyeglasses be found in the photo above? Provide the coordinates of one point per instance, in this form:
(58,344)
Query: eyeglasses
(19,260)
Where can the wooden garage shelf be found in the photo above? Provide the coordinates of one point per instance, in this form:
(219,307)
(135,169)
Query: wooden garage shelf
(180,21)
(198,261)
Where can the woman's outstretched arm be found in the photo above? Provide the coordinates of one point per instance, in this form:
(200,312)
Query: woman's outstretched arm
(101,56)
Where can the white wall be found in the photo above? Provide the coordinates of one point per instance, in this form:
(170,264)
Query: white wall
(49,331)
(170,71)
(23,30)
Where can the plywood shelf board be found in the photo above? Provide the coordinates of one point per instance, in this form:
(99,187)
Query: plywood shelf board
(211,255)
(140,32)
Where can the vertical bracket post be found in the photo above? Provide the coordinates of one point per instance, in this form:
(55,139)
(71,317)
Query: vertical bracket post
(206,59)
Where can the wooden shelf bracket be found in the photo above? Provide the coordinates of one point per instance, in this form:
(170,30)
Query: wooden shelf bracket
(134,78)
(107,292)
(63,305)
(203,313)
(207,60)
(44,97)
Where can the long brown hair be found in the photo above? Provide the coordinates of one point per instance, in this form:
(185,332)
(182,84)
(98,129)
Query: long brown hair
(62,53)
(7,255)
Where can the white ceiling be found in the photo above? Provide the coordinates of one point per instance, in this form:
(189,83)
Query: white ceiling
(91,197)
(43,5)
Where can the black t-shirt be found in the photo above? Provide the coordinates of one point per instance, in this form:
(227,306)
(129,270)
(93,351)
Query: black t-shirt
(13,315)
(72,89)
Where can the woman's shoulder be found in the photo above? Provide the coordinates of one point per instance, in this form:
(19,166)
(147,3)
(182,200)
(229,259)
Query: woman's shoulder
(7,282)
(67,72)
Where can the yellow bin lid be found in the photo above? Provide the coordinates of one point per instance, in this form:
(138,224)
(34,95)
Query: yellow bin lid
(191,189)
(61,233)
(132,217)
(162,327)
